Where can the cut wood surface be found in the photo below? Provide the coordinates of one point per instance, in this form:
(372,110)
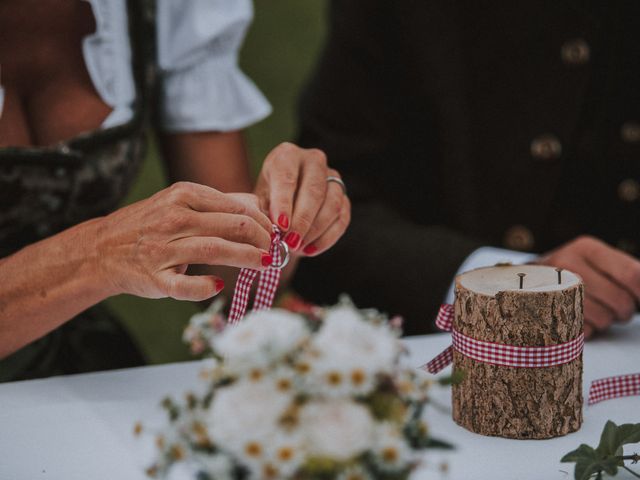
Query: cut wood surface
(524,403)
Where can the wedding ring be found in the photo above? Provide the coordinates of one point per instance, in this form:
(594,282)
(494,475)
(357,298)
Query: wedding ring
(339,181)
(284,256)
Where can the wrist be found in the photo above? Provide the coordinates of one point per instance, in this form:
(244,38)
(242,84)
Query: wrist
(97,259)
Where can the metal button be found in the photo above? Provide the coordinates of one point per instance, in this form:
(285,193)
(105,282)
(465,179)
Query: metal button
(629,190)
(546,147)
(518,237)
(630,132)
(575,52)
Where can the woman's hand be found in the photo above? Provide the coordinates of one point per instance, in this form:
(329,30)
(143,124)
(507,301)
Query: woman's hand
(144,249)
(293,188)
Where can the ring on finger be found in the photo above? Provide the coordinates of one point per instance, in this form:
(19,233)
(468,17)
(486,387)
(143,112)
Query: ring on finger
(338,180)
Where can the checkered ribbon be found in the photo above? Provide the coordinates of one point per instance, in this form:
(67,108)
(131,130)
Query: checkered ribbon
(267,284)
(500,354)
(614,387)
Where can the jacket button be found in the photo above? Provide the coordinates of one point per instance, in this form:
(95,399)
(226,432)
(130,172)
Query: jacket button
(575,52)
(629,190)
(546,147)
(518,237)
(630,132)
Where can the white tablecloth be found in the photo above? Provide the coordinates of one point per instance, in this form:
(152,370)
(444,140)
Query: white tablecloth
(80,427)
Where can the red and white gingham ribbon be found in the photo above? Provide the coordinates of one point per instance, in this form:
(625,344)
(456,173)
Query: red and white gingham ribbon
(614,387)
(528,357)
(267,284)
(500,354)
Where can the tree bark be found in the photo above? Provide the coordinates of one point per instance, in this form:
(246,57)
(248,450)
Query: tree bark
(521,403)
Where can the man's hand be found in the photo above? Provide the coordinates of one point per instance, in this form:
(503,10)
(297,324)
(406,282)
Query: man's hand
(611,279)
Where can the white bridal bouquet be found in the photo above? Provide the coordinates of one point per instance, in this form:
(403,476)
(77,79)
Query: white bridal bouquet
(314,396)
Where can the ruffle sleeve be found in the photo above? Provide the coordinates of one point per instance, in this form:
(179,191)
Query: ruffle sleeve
(202,86)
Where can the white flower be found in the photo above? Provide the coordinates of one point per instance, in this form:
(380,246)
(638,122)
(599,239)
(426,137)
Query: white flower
(331,377)
(349,340)
(286,452)
(391,451)
(262,338)
(243,418)
(339,429)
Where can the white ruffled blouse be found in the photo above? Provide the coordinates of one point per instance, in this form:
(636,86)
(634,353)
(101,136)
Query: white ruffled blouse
(197,44)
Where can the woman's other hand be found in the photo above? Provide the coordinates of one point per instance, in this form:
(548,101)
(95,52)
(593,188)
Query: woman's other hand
(293,188)
(145,248)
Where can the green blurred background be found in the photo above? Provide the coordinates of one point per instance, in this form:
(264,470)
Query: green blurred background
(279,52)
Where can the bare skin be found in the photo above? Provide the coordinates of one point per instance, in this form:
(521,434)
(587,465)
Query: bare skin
(143,249)
(611,278)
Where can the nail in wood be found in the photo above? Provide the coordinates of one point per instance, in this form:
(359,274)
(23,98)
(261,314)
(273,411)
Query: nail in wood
(521,275)
(559,270)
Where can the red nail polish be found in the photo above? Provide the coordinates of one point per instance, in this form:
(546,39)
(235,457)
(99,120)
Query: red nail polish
(219,285)
(293,240)
(310,249)
(267,259)
(283,221)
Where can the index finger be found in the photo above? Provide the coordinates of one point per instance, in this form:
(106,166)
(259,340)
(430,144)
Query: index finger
(620,267)
(206,199)
(282,171)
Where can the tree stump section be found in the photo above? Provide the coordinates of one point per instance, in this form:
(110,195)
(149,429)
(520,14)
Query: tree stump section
(521,403)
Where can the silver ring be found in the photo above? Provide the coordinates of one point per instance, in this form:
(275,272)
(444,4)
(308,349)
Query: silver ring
(285,256)
(339,181)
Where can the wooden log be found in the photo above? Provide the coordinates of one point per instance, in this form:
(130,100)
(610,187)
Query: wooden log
(521,403)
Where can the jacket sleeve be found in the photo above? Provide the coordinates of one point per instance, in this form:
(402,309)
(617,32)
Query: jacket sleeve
(398,254)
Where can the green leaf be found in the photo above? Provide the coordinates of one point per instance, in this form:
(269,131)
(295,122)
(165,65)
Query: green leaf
(586,467)
(454,379)
(628,433)
(608,445)
(606,458)
(582,452)
(614,437)
(435,443)
(610,465)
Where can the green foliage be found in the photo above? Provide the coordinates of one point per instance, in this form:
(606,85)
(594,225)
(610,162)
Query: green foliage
(608,456)
(455,378)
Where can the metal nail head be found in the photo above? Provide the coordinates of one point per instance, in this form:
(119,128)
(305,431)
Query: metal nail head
(559,270)
(522,275)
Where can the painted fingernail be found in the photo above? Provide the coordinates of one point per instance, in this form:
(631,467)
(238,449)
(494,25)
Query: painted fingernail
(266,259)
(219,285)
(310,249)
(293,240)
(283,221)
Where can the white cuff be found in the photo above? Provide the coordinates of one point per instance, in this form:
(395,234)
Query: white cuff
(486,257)
(211,96)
